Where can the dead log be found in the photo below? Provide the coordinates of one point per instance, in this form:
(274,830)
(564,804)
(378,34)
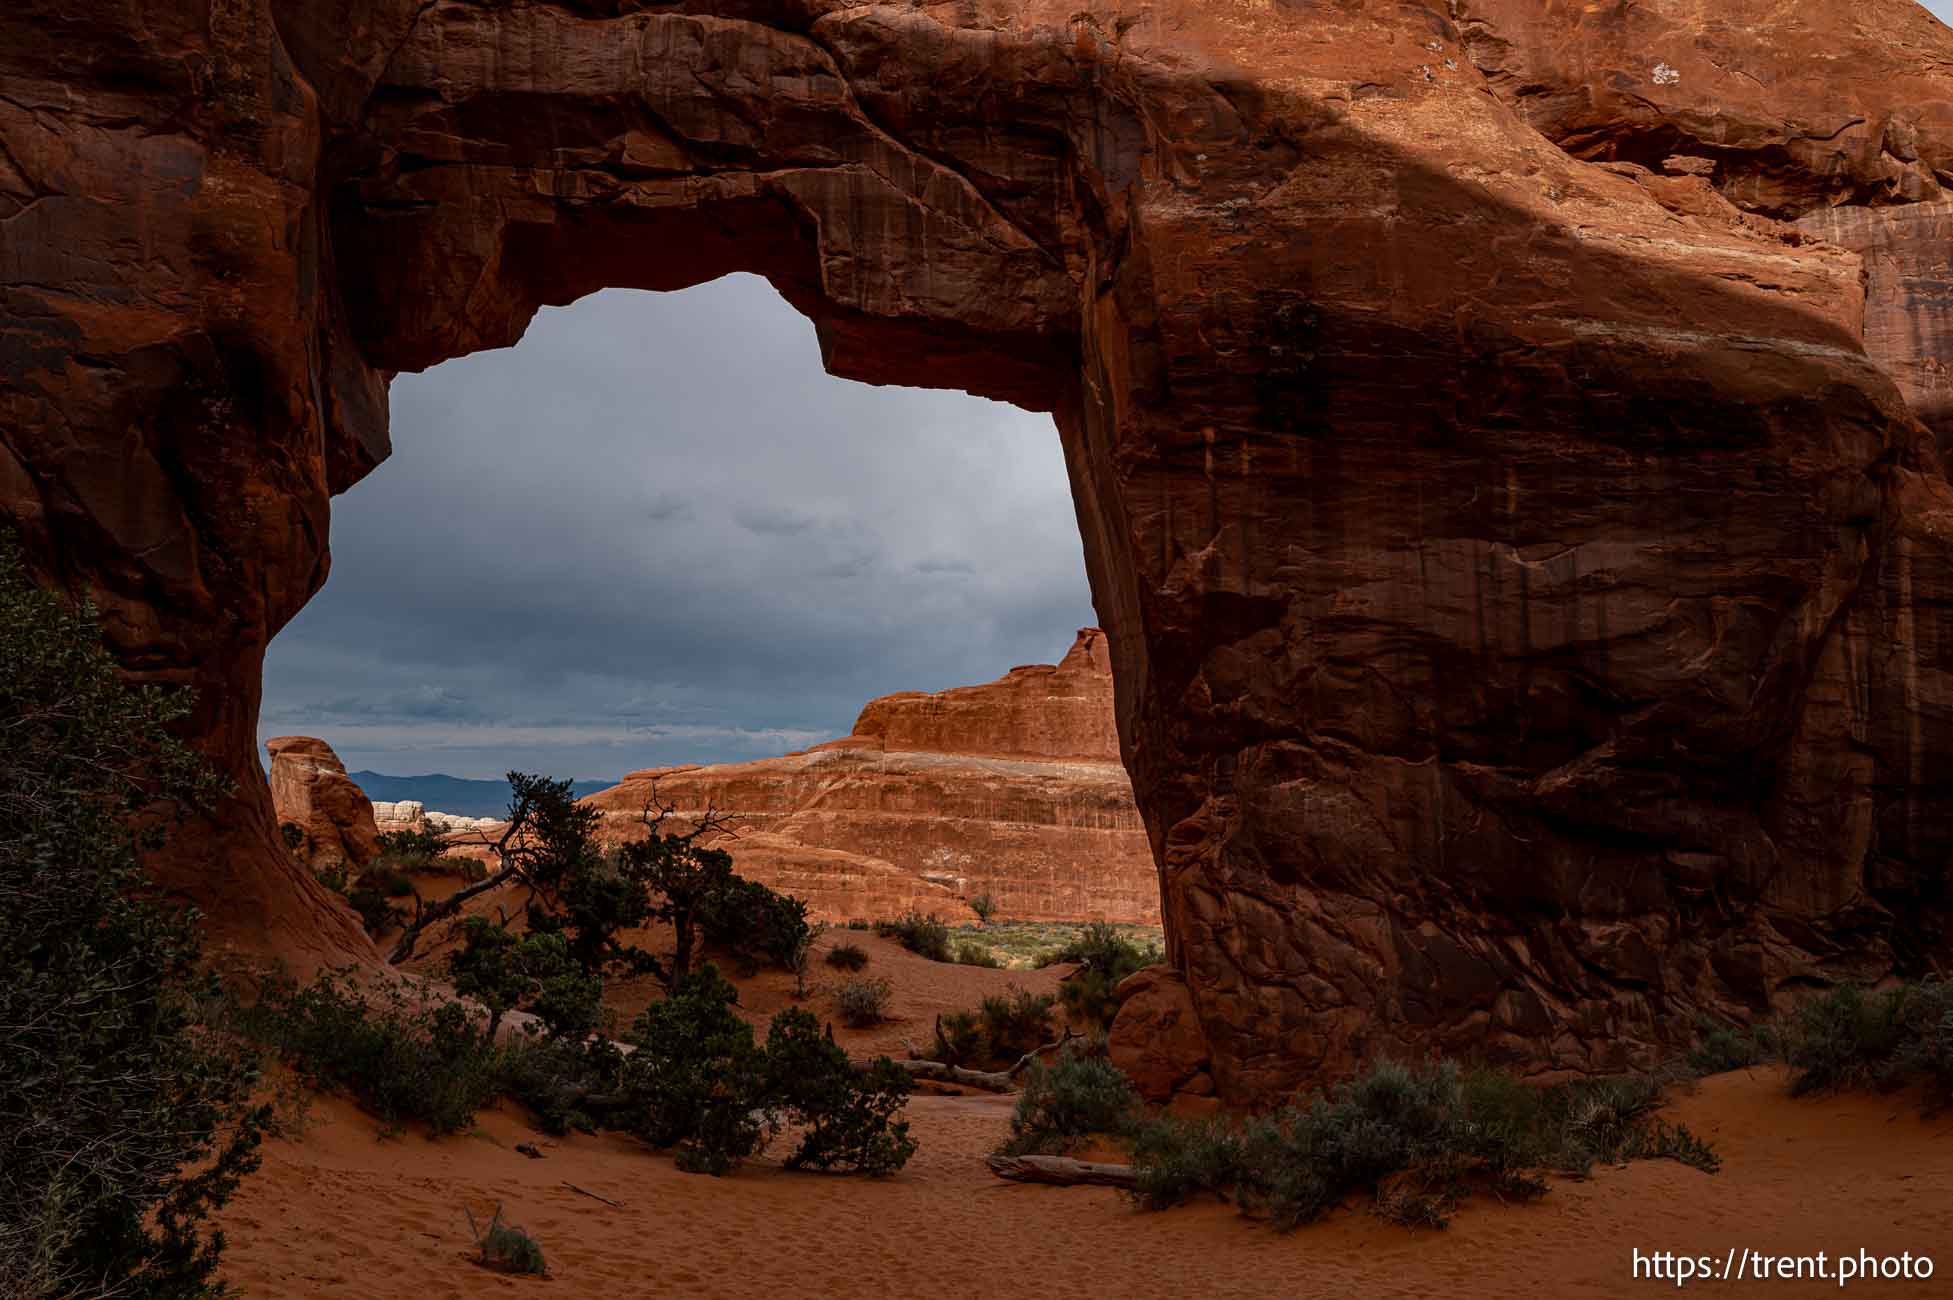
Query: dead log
(1036,1052)
(1060,1171)
(938,1072)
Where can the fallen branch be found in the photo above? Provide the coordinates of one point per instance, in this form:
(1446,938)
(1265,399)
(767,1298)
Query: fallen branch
(1036,1052)
(584,1191)
(1060,1171)
(938,1072)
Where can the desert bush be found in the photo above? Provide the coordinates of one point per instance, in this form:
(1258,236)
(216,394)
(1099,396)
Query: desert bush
(926,936)
(1071,1098)
(845,1116)
(985,907)
(414,851)
(1719,1048)
(1418,1141)
(376,912)
(1105,959)
(858,924)
(697,1082)
(971,953)
(960,1038)
(1852,1037)
(1017,1020)
(863,1001)
(746,918)
(403,1060)
(847,956)
(293,835)
(533,973)
(507,1248)
(125,1115)
(563,1082)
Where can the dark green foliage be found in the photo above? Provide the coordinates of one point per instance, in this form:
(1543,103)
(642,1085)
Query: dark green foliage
(1721,1048)
(562,1081)
(293,835)
(695,1075)
(533,973)
(1073,1097)
(1417,1140)
(847,956)
(926,936)
(985,907)
(863,1001)
(413,851)
(1017,1020)
(124,1116)
(846,1116)
(376,913)
(1105,959)
(746,918)
(1851,1037)
(859,924)
(402,1060)
(975,954)
(697,1082)
(960,1038)
(507,1248)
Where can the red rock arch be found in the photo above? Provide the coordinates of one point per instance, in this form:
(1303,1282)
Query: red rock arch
(1526,596)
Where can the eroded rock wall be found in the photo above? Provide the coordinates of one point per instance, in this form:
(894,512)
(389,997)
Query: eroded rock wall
(1012,789)
(1527,597)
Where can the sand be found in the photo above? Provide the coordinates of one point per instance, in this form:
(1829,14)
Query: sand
(339,1212)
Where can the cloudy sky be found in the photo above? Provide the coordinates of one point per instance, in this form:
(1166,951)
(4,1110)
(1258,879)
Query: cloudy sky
(657,531)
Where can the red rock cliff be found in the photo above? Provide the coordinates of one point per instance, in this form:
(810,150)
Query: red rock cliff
(1011,789)
(1526,577)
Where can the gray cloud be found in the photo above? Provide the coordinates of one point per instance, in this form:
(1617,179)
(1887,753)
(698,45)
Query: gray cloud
(657,532)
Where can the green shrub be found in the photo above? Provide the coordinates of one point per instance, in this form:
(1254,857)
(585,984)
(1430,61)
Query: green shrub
(1072,1098)
(696,1075)
(376,913)
(1850,1037)
(1017,1020)
(564,1083)
(1417,1140)
(507,1248)
(985,907)
(847,956)
(533,973)
(747,918)
(960,1038)
(402,1060)
(411,850)
(859,924)
(293,835)
(863,1001)
(1719,1049)
(970,953)
(698,1082)
(1105,958)
(845,1115)
(926,936)
(125,1116)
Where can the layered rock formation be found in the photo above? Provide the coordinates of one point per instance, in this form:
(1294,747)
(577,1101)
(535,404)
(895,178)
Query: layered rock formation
(1527,588)
(1012,789)
(311,791)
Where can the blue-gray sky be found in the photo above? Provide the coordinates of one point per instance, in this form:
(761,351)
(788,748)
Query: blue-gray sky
(656,531)
(1942,9)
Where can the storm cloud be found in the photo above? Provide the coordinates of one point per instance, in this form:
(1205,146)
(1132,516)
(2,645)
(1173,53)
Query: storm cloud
(656,531)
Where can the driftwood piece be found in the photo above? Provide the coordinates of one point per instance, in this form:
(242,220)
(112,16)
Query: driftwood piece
(1060,1171)
(938,1072)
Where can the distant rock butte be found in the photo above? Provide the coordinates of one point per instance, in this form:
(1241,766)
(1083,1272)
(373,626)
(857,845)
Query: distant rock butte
(310,790)
(1012,789)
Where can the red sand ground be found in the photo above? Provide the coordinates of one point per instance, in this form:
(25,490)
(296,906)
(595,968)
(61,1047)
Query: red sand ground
(339,1212)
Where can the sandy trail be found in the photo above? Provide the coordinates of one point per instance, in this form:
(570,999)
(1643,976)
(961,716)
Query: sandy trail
(340,1213)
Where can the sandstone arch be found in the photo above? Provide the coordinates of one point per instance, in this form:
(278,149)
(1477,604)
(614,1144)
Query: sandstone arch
(1528,599)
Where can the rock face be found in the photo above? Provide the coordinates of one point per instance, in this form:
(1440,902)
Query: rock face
(1526,585)
(1012,789)
(310,790)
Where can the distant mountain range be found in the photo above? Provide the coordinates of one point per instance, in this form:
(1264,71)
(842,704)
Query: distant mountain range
(453,794)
